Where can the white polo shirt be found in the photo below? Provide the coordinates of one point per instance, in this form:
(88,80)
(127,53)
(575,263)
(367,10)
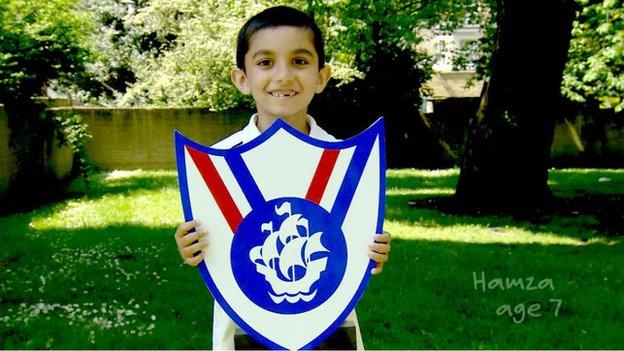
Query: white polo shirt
(251,131)
(223,327)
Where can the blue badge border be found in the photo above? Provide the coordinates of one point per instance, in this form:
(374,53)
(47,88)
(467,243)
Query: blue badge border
(375,130)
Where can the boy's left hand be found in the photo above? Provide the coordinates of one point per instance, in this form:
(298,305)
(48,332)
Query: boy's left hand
(378,251)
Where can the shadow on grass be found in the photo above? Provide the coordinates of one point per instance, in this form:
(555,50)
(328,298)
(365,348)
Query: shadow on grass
(117,287)
(591,199)
(421,180)
(99,184)
(599,220)
(440,295)
(426,296)
(122,182)
(62,286)
(603,214)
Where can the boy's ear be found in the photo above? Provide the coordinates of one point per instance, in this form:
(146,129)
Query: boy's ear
(323,77)
(239,78)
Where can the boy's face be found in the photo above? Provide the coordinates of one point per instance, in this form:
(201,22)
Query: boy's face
(281,72)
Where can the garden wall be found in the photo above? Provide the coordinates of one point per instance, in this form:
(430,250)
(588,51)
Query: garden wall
(577,142)
(58,158)
(132,138)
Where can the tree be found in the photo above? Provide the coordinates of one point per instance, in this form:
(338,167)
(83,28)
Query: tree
(374,51)
(124,39)
(595,69)
(39,41)
(371,47)
(507,148)
(194,70)
(594,75)
(173,53)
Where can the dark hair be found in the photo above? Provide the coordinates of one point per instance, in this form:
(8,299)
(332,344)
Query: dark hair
(275,17)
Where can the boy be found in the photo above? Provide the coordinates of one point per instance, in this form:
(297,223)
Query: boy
(280,61)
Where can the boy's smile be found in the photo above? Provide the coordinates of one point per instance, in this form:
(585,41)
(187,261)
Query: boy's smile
(282,74)
(283,94)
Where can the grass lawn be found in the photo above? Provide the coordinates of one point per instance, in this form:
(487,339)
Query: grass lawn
(101,270)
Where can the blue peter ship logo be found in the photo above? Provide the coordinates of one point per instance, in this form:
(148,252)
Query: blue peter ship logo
(295,261)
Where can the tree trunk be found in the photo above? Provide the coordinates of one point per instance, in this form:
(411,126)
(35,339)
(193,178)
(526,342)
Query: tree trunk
(507,147)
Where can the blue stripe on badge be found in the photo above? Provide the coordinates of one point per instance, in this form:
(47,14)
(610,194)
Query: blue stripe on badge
(245,179)
(352,179)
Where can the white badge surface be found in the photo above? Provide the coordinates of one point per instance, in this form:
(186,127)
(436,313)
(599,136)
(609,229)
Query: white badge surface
(289,219)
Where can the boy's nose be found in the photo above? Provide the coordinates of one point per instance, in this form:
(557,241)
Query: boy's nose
(284,72)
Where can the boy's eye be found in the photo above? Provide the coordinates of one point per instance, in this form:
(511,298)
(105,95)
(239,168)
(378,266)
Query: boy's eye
(300,61)
(264,62)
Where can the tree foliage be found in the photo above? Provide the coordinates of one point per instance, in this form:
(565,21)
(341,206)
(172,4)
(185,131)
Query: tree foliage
(195,69)
(110,68)
(173,53)
(355,31)
(595,68)
(118,47)
(39,41)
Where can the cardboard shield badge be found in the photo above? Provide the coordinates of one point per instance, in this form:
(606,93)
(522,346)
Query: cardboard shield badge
(289,219)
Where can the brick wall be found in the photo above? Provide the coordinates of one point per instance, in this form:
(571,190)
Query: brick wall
(59,159)
(143,138)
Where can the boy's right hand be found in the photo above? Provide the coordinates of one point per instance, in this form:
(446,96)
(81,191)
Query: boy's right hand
(190,244)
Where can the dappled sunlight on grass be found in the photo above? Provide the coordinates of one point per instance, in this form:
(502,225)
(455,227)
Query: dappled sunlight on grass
(122,181)
(422,173)
(429,191)
(101,270)
(481,234)
(425,191)
(415,182)
(572,182)
(121,174)
(600,171)
(149,209)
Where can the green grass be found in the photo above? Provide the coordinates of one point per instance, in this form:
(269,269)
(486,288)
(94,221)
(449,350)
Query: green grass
(102,271)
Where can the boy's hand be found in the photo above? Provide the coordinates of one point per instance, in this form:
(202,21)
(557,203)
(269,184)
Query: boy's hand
(378,251)
(190,244)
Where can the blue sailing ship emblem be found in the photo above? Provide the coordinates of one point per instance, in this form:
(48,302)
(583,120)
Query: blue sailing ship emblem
(298,260)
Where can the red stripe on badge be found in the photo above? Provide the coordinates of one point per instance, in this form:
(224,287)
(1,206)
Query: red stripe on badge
(322,174)
(217,188)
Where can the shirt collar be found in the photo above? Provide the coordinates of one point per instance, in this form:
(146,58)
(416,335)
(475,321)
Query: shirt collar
(252,131)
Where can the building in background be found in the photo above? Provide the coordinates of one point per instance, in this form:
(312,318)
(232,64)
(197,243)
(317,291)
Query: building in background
(451,97)
(450,81)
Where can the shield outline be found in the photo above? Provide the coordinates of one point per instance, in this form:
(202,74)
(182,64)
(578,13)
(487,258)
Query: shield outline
(374,132)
